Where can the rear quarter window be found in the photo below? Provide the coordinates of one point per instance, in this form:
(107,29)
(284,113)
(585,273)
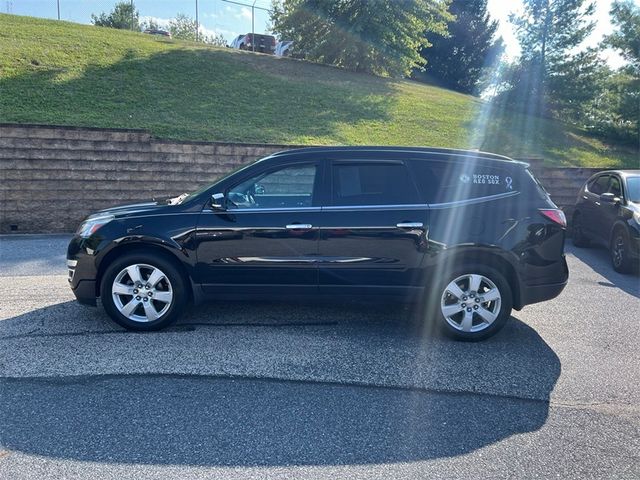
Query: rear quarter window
(375,183)
(441,181)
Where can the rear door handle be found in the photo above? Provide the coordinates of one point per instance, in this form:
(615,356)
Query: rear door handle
(299,226)
(410,225)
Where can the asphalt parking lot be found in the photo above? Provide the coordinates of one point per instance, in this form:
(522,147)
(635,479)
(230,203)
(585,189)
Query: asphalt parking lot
(299,391)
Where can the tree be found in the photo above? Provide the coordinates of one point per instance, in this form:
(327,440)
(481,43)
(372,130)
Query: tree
(123,16)
(184,27)
(458,60)
(551,78)
(382,37)
(149,24)
(625,16)
(217,40)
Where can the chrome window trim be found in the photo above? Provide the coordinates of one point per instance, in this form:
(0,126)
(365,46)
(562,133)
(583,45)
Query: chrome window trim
(343,208)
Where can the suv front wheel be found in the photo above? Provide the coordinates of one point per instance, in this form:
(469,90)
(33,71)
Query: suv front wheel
(143,292)
(619,250)
(473,303)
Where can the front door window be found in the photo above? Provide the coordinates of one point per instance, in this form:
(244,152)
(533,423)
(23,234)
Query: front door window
(289,187)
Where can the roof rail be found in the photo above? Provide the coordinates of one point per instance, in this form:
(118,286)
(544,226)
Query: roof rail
(451,151)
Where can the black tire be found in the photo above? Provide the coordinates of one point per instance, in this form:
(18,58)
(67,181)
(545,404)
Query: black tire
(177,286)
(578,236)
(619,251)
(503,309)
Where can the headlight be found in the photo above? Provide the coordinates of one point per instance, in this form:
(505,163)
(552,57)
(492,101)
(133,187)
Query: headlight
(92,224)
(636,217)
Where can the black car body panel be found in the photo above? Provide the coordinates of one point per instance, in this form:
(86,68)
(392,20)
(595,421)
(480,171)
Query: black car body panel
(324,237)
(600,217)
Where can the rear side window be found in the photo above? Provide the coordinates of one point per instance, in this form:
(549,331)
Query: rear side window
(364,183)
(599,185)
(442,181)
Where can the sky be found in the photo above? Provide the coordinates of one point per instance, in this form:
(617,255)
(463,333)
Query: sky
(230,20)
(501,9)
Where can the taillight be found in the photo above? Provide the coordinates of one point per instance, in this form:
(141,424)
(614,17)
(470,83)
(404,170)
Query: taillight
(555,215)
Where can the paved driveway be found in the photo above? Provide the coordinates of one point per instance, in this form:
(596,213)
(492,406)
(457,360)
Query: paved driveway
(288,391)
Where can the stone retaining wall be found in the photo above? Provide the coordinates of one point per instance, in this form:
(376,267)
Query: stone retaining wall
(52,177)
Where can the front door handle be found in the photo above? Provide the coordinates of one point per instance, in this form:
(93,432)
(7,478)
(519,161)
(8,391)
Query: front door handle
(299,226)
(410,225)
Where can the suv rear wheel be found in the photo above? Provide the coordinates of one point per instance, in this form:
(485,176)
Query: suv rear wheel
(143,292)
(474,302)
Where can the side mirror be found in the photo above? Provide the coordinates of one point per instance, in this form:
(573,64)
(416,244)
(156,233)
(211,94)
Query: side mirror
(217,201)
(609,198)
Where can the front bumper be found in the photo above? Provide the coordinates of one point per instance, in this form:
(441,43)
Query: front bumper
(82,271)
(85,292)
(634,249)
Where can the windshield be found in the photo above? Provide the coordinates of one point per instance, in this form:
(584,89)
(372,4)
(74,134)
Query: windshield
(633,187)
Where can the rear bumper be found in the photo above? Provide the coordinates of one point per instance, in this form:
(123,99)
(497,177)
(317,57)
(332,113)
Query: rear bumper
(540,293)
(548,282)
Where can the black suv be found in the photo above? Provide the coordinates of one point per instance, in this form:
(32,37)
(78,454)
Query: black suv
(468,235)
(608,213)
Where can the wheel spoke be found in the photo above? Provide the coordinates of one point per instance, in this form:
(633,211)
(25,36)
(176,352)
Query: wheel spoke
(122,289)
(134,273)
(455,290)
(474,282)
(164,297)
(128,297)
(450,310)
(155,277)
(486,315)
(150,311)
(467,322)
(130,307)
(491,295)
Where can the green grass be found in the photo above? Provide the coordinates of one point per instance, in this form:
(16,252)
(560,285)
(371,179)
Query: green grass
(63,73)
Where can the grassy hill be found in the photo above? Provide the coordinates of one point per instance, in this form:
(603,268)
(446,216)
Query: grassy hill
(64,73)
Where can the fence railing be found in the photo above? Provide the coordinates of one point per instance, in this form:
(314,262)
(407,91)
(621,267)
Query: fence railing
(213,18)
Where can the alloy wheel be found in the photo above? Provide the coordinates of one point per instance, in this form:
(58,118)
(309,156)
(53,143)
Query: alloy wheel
(471,303)
(142,293)
(618,251)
